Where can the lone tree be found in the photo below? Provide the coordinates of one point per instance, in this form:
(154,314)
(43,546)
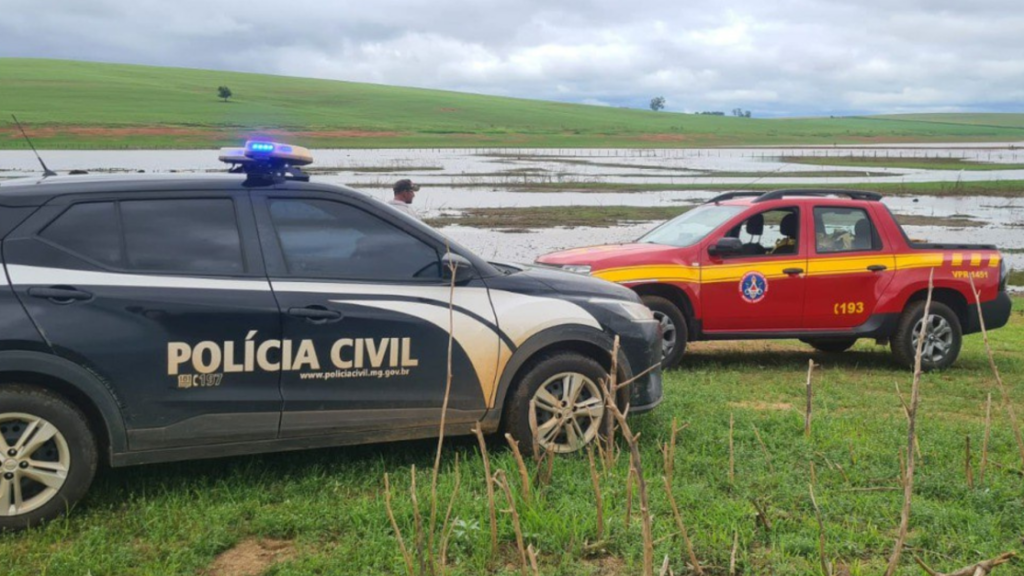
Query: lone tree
(224,92)
(658,103)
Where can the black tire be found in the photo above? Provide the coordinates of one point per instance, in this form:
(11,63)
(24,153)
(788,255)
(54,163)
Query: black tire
(72,448)
(672,318)
(832,346)
(539,372)
(903,342)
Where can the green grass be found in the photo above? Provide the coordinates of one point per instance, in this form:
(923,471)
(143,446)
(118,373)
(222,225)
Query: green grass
(896,162)
(176,518)
(552,216)
(568,183)
(69,104)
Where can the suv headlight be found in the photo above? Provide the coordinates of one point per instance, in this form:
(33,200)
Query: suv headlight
(577,268)
(634,310)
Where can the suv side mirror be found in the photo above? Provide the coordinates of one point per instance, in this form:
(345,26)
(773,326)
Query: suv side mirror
(726,247)
(459,266)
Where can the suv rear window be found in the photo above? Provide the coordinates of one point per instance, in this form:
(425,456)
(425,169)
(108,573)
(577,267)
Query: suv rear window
(197,236)
(90,230)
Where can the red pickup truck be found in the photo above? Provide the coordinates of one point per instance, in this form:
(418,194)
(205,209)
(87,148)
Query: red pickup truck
(824,266)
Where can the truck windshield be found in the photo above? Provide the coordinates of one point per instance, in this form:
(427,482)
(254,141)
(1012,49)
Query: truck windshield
(689,228)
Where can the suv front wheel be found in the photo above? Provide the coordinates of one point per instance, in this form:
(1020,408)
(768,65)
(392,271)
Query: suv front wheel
(566,395)
(942,340)
(48,456)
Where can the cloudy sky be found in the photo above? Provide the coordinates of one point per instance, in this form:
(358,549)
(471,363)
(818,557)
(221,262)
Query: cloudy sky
(773,57)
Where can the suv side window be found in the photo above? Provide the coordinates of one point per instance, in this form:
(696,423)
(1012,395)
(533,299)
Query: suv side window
(89,229)
(773,232)
(186,235)
(326,239)
(839,229)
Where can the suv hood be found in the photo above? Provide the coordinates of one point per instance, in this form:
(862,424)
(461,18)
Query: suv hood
(542,281)
(615,255)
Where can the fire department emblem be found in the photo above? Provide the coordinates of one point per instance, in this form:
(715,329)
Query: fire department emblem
(753,287)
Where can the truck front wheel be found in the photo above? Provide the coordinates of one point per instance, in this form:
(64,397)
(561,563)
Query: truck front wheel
(673,329)
(942,340)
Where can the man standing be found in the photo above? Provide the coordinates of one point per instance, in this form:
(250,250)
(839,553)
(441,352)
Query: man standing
(405,191)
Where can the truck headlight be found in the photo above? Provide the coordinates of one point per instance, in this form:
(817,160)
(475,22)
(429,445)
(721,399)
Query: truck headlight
(577,268)
(634,310)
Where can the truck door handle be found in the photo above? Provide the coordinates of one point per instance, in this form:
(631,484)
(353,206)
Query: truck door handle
(316,314)
(60,294)
(793,271)
(877,268)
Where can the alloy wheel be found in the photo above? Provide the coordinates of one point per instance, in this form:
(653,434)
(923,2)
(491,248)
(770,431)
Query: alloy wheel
(568,409)
(938,338)
(668,333)
(34,462)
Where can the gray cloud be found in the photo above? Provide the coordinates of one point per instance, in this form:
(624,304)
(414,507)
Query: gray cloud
(785,57)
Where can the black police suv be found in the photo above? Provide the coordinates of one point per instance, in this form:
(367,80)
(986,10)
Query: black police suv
(157,318)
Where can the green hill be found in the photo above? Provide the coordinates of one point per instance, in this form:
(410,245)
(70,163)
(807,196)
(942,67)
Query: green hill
(68,104)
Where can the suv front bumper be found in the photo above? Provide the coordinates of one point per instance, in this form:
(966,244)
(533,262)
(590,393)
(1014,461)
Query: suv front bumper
(642,349)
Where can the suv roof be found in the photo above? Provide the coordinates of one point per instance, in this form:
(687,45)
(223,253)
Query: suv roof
(36,191)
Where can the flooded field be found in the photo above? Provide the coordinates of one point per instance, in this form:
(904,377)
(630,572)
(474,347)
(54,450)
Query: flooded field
(460,179)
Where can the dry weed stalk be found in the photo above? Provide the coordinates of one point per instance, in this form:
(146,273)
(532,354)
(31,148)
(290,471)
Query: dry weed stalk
(598,500)
(984,442)
(629,495)
(732,455)
(490,488)
(810,396)
(826,567)
(682,527)
(532,553)
(447,526)
(915,398)
(502,481)
(906,412)
(524,475)
(968,469)
(732,555)
(421,557)
(999,380)
(767,456)
(394,526)
(452,268)
(634,451)
(980,569)
(666,569)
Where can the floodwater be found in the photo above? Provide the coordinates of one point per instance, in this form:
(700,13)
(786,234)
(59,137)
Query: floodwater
(458,179)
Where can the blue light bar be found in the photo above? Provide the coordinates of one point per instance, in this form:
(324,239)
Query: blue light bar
(257,147)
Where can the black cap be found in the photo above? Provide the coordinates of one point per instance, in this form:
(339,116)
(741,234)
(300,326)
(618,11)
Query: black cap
(405,184)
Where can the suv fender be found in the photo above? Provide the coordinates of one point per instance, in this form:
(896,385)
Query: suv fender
(567,337)
(77,385)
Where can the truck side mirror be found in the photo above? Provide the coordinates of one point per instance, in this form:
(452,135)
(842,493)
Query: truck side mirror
(726,247)
(459,266)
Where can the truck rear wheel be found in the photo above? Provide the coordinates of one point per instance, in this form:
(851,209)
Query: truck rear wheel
(48,456)
(674,332)
(943,336)
(832,346)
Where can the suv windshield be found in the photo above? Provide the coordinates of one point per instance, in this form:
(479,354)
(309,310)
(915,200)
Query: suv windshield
(689,228)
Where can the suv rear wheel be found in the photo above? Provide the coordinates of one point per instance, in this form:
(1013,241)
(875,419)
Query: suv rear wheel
(565,392)
(673,329)
(48,456)
(943,336)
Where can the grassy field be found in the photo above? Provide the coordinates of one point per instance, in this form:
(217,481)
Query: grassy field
(322,512)
(70,104)
(894,162)
(998,188)
(551,216)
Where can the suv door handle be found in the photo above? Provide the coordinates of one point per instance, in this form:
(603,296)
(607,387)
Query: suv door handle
(793,271)
(60,294)
(316,314)
(877,268)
